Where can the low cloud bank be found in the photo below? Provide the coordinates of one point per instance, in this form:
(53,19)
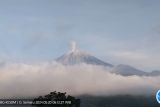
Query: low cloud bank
(24,80)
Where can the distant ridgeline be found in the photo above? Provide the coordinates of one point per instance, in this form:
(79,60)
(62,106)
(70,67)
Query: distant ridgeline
(56,99)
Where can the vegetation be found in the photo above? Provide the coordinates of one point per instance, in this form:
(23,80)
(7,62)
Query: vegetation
(58,99)
(99,101)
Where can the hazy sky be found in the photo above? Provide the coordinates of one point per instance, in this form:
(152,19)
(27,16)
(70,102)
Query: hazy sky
(117,31)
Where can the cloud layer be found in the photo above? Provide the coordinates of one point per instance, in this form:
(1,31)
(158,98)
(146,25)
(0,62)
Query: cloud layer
(27,80)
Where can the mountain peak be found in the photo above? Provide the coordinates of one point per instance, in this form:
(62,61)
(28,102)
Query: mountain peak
(74,50)
(76,56)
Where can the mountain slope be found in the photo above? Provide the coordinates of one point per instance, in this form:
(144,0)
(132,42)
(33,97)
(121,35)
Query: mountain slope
(79,57)
(154,73)
(75,56)
(127,70)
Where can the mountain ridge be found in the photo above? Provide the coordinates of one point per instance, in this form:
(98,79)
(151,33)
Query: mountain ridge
(75,56)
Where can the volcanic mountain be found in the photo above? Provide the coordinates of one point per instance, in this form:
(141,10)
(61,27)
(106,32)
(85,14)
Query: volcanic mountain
(75,56)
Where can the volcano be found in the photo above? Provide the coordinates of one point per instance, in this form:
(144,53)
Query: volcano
(76,56)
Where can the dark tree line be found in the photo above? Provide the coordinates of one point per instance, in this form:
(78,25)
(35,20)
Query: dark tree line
(57,96)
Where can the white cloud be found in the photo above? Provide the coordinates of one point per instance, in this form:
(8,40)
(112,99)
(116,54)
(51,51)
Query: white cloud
(38,79)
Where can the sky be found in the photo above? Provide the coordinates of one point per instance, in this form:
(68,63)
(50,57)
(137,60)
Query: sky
(117,31)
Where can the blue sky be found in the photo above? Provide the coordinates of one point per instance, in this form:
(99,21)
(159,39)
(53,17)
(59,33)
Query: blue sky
(117,31)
